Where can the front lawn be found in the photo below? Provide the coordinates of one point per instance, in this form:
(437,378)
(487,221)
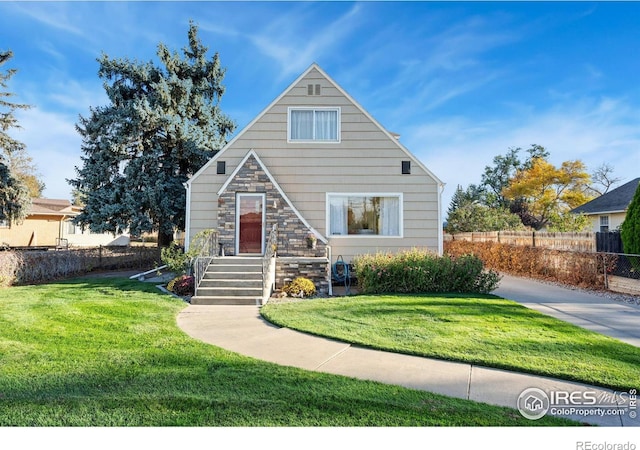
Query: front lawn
(484,330)
(108,352)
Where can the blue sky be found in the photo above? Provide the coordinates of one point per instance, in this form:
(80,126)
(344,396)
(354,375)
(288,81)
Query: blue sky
(461,82)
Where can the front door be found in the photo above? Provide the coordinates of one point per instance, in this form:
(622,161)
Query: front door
(250,224)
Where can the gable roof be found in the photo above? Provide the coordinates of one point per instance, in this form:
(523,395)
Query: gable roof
(51,207)
(254,155)
(392,136)
(616,200)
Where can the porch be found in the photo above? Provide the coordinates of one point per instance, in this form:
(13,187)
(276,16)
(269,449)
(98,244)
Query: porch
(251,280)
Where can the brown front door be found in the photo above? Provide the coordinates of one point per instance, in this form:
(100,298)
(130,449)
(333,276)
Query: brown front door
(250,223)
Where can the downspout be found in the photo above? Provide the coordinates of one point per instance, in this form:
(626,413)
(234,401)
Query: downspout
(187,217)
(328,247)
(60,229)
(61,233)
(440,223)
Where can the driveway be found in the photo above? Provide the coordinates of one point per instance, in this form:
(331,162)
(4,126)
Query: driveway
(585,309)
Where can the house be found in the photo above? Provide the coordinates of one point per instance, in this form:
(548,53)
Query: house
(314,162)
(608,211)
(49,224)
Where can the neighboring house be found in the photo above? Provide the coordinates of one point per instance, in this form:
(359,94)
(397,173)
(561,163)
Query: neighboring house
(315,162)
(49,224)
(608,211)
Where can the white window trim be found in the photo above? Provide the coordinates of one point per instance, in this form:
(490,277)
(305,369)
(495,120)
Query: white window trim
(400,197)
(313,108)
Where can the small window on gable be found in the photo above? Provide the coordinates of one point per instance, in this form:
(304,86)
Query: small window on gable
(313,89)
(314,125)
(221,168)
(406,167)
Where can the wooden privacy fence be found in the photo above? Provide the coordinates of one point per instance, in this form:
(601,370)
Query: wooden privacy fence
(40,266)
(578,242)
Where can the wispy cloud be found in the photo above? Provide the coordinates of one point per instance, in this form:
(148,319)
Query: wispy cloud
(436,65)
(53,143)
(595,131)
(291,40)
(58,16)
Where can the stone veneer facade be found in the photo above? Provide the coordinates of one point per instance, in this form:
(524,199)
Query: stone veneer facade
(315,269)
(292,232)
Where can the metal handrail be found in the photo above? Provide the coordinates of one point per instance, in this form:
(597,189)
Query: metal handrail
(268,268)
(205,244)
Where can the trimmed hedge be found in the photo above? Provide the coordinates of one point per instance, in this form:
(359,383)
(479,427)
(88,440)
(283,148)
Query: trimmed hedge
(583,269)
(27,267)
(418,271)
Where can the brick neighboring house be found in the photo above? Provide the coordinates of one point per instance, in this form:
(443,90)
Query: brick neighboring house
(608,211)
(48,224)
(314,162)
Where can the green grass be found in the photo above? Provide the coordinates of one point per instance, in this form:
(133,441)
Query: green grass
(484,330)
(108,352)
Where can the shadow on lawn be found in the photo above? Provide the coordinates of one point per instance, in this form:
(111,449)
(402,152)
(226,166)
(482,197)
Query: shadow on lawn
(115,283)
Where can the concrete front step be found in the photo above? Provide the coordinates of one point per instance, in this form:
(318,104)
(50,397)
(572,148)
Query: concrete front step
(231,282)
(233,275)
(217,300)
(229,291)
(242,268)
(237,260)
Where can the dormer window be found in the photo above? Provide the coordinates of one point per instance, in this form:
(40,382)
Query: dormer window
(314,125)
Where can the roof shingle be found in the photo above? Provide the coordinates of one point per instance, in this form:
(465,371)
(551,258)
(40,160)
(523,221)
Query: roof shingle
(616,200)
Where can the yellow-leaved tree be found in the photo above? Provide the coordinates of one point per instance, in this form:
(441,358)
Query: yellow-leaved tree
(545,194)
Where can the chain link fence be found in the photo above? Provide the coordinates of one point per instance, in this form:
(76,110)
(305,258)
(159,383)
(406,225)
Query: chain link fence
(622,272)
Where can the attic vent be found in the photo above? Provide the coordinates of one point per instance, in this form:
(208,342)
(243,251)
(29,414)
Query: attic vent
(406,167)
(313,89)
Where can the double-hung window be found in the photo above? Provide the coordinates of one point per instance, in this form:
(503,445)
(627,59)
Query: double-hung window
(364,215)
(604,224)
(314,124)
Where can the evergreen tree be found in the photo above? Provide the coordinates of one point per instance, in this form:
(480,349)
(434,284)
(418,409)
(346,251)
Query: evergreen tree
(630,228)
(161,126)
(14,198)
(467,213)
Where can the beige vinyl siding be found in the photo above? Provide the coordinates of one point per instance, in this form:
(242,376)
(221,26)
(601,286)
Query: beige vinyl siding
(366,160)
(615,220)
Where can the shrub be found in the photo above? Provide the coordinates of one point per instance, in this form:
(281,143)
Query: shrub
(418,271)
(9,264)
(630,230)
(584,269)
(300,287)
(26,267)
(175,258)
(184,285)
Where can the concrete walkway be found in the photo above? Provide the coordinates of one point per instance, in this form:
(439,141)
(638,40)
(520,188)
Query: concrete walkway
(588,310)
(241,329)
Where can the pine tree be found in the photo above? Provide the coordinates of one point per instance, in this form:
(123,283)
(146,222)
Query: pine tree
(14,198)
(630,228)
(161,126)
